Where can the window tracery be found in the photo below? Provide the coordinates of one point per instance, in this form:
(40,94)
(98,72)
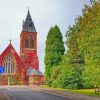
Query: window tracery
(9,65)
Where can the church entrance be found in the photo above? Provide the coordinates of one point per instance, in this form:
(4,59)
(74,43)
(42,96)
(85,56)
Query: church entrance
(9,64)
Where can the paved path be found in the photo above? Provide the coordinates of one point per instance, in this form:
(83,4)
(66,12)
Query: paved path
(2,96)
(36,93)
(23,93)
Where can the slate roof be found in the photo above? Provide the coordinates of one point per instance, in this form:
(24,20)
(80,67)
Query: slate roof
(32,71)
(28,24)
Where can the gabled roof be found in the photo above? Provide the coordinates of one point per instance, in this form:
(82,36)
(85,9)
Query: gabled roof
(10,49)
(28,24)
(32,71)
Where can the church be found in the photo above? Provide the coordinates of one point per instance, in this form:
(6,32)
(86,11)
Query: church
(22,69)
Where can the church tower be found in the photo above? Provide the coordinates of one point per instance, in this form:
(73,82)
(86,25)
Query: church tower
(28,43)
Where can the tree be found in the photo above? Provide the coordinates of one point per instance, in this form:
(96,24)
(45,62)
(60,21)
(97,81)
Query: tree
(85,41)
(89,43)
(76,59)
(80,66)
(92,1)
(54,50)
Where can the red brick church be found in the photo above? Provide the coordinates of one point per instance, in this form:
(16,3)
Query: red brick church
(23,68)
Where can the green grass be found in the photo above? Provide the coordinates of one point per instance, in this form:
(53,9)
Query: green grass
(90,92)
(45,86)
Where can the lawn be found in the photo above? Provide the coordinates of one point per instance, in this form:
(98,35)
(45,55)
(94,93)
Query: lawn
(45,86)
(90,92)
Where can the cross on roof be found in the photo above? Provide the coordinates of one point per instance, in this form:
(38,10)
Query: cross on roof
(10,41)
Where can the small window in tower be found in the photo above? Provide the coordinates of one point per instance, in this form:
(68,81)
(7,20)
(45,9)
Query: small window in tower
(32,43)
(29,25)
(27,42)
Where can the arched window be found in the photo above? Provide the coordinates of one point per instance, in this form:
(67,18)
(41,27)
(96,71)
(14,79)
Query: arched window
(9,65)
(27,42)
(31,43)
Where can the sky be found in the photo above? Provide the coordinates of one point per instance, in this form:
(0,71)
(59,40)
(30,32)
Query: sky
(45,13)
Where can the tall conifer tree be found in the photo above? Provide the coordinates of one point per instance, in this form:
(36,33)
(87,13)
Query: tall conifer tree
(54,49)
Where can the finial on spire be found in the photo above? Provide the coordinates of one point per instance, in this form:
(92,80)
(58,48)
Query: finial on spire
(28,8)
(10,41)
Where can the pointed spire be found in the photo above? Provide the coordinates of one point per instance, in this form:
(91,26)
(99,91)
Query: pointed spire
(28,24)
(29,15)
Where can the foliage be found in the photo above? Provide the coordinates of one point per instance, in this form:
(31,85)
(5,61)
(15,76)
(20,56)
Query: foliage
(65,75)
(12,80)
(53,51)
(86,41)
(80,66)
(76,61)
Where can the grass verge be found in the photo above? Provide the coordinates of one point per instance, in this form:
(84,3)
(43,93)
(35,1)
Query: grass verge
(89,92)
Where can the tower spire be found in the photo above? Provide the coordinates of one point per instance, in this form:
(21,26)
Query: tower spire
(28,24)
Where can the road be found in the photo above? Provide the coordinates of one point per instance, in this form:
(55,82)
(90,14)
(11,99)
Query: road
(23,93)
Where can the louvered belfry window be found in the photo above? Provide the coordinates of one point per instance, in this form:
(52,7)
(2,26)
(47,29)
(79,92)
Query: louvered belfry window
(27,42)
(31,43)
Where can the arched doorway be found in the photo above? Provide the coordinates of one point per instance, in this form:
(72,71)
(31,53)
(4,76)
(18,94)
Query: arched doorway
(9,64)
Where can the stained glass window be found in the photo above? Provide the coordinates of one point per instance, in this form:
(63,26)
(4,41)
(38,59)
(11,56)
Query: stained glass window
(9,64)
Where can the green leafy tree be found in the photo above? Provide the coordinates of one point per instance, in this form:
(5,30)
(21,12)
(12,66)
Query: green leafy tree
(54,50)
(89,41)
(86,35)
(80,66)
(75,79)
(70,74)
